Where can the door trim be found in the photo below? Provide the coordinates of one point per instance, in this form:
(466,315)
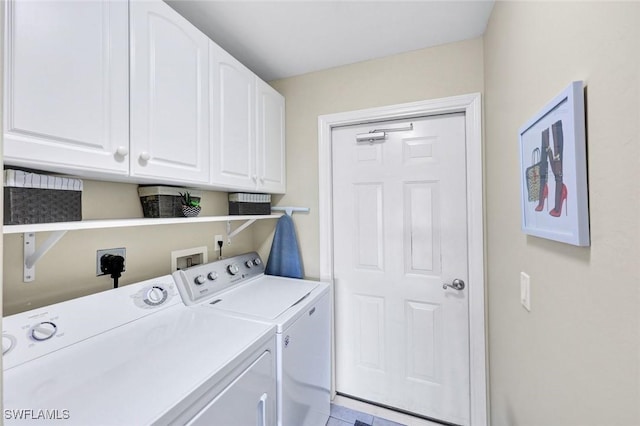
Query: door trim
(470,105)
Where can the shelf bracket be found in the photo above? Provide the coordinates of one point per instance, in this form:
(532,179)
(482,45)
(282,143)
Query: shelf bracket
(239,229)
(32,255)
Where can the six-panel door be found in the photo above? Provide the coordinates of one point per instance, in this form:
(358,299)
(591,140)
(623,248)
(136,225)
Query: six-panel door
(400,234)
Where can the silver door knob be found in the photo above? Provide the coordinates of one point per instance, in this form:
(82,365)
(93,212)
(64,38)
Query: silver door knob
(455,284)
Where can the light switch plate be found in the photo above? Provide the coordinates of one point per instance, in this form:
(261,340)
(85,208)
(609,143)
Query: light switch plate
(525,291)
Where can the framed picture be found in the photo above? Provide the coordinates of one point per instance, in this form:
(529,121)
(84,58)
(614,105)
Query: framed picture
(553,170)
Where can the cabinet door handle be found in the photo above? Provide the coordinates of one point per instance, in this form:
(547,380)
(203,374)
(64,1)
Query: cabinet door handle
(145,156)
(122,151)
(254,178)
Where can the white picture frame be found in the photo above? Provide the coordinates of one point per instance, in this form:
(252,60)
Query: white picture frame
(553,166)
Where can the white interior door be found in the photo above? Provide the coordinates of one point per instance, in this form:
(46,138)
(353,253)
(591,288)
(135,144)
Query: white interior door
(400,233)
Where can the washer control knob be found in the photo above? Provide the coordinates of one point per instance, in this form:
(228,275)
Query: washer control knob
(257,261)
(233,269)
(213,275)
(44,331)
(7,344)
(156,296)
(199,280)
(249,263)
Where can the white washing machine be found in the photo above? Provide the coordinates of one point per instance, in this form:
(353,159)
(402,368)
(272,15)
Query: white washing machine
(300,310)
(137,355)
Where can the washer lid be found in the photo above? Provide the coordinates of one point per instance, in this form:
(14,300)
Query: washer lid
(140,373)
(265,297)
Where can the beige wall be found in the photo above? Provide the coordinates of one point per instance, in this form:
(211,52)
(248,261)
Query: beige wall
(443,71)
(69,269)
(575,358)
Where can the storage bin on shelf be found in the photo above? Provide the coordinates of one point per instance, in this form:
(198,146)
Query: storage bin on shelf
(241,203)
(38,198)
(164,201)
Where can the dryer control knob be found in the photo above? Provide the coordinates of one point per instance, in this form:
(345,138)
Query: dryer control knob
(44,331)
(213,276)
(7,344)
(257,261)
(249,263)
(233,269)
(199,280)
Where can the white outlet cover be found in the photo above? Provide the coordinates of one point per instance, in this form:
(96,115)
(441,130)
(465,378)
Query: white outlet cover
(215,242)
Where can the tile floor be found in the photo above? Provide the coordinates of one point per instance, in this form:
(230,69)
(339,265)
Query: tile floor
(343,416)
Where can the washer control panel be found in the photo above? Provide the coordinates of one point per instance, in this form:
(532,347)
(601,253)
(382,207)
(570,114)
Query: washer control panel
(202,282)
(31,334)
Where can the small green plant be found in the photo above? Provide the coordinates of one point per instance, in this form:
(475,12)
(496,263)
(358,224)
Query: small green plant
(188,201)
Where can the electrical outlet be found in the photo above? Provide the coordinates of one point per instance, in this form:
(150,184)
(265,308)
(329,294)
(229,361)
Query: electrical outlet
(115,251)
(525,291)
(217,238)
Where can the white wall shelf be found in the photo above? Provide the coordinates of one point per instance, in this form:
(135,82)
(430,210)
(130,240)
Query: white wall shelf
(124,223)
(59,229)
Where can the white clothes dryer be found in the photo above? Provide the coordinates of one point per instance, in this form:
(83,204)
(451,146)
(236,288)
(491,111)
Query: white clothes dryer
(301,312)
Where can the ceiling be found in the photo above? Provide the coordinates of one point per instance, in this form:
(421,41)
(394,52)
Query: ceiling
(278,39)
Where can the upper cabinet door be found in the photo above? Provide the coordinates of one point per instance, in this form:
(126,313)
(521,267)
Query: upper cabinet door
(66,86)
(169,96)
(233,126)
(271,169)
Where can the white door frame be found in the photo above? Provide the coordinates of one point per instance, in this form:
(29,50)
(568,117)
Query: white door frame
(471,106)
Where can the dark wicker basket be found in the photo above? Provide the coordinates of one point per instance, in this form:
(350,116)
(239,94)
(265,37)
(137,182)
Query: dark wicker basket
(246,203)
(240,208)
(156,204)
(33,205)
(161,206)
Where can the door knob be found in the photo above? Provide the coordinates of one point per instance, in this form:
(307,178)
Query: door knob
(145,156)
(456,284)
(122,151)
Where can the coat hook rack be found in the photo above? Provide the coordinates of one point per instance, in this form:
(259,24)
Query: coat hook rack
(290,210)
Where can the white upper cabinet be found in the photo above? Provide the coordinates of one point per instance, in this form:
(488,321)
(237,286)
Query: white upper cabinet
(233,126)
(169,96)
(132,91)
(270,157)
(247,128)
(67,86)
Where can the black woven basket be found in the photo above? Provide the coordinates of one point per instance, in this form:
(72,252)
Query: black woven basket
(34,205)
(161,206)
(157,206)
(242,208)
